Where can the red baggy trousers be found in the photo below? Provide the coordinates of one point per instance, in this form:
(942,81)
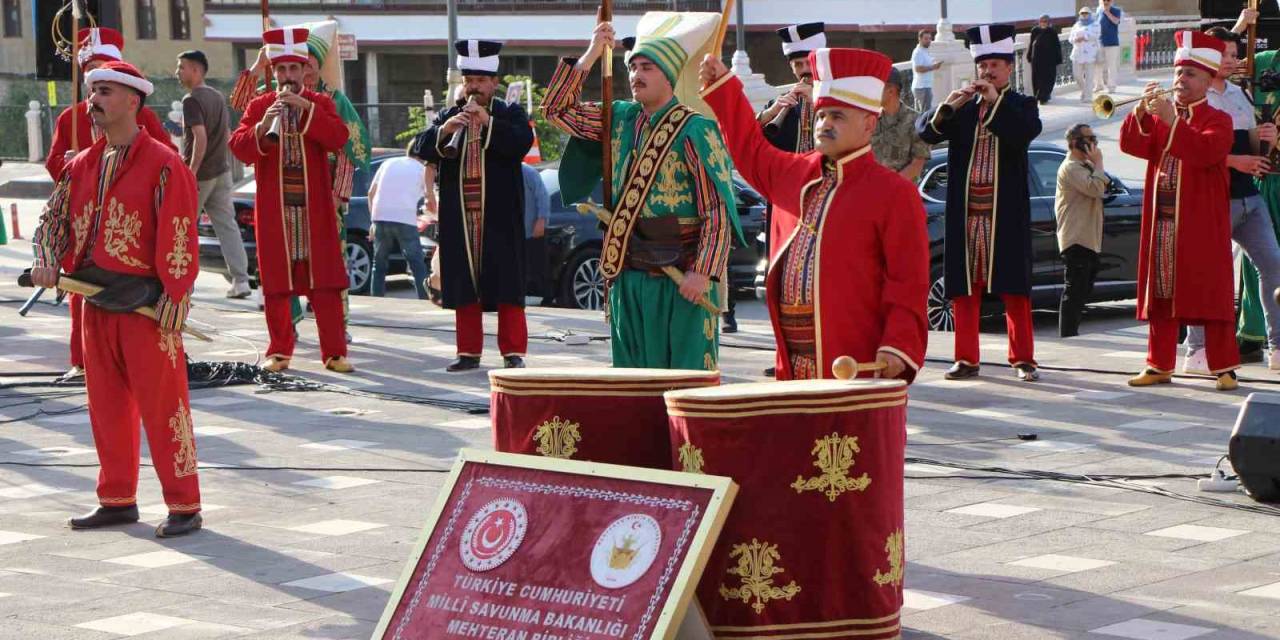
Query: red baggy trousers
(133,371)
(326,304)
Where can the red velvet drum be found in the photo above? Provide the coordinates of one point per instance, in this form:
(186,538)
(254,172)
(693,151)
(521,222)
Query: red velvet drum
(813,547)
(599,415)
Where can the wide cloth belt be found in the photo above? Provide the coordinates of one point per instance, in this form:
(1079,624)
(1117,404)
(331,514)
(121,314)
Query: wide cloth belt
(662,242)
(121,293)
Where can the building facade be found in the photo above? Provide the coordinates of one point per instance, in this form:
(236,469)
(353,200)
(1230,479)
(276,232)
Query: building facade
(155,32)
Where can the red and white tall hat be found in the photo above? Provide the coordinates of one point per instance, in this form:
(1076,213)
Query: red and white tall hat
(100,43)
(119,72)
(1196,49)
(286,45)
(849,78)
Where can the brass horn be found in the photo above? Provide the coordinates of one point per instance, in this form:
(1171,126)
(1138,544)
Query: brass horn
(1104,106)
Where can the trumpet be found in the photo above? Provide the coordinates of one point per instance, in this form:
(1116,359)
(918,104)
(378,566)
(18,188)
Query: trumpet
(773,126)
(454,148)
(1105,106)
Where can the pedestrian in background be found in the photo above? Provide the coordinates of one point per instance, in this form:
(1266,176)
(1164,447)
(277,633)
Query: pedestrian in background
(1082,185)
(922,67)
(204,150)
(1044,54)
(394,194)
(1108,19)
(1084,53)
(537,209)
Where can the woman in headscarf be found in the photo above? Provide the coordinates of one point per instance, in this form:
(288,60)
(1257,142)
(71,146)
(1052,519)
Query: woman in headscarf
(1044,54)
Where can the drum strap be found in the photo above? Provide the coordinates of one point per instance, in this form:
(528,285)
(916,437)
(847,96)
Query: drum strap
(643,173)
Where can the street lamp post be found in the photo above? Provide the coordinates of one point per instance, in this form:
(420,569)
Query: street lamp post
(454,75)
(943,29)
(740,32)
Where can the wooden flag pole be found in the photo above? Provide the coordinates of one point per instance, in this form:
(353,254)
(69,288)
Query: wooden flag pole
(266,26)
(725,10)
(605,14)
(75,75)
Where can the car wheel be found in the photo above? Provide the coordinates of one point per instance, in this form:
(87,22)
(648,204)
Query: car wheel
(938,308)
(359,265)
(582,285)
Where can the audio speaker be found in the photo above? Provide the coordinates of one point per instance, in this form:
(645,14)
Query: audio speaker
(1254,449)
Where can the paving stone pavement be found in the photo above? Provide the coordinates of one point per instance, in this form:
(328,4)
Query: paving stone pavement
(313,554)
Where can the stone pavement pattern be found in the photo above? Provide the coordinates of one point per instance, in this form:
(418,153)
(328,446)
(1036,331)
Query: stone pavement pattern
(293,553)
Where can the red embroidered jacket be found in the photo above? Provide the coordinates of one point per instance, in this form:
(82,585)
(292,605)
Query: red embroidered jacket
(145,224)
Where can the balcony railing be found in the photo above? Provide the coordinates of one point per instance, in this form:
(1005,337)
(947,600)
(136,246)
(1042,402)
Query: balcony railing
(467,6)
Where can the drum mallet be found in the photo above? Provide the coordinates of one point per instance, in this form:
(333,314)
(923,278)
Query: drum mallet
(602,214)
(846,368)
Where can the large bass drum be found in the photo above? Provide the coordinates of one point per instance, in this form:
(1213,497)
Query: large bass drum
(599,415)
(814,545)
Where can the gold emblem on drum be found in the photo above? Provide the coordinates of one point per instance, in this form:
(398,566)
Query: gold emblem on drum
(690,458)
(895,548)
(557,439)
(835,458)
(756,568)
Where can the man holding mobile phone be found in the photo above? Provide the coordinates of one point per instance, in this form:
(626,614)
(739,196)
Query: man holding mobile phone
(1082,184)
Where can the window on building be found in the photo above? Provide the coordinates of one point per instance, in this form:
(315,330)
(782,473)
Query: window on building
(179,20)
(109,14)
(146,19)
(12,19)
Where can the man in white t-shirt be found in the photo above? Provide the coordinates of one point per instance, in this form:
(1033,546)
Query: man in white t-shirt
(923,66)
(397,188)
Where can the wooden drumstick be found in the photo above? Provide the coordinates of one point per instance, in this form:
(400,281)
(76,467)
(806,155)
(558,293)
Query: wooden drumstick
(846,368)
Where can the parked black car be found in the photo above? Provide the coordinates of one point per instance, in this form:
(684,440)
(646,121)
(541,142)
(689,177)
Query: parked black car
(574,241)
(359,242)
(1117,277)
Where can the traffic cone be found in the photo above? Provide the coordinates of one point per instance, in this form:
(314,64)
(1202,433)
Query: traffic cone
(535,152)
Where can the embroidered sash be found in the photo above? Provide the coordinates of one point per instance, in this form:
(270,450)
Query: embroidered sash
(643,173)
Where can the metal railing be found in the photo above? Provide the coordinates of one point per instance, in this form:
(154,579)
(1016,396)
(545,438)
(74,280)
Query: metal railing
(1154,45)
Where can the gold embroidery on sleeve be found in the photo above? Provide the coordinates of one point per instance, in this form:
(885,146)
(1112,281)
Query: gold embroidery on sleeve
(80,227)
(179,259)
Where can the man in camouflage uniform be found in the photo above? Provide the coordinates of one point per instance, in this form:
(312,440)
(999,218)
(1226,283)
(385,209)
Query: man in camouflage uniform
(895,143)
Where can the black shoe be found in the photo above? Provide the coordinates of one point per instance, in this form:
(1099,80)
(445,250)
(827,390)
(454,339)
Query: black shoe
(106,517)
(730,323)
(179,524)
(463,363)
(772,372)
(513,362)
(1026,372)
(961,371)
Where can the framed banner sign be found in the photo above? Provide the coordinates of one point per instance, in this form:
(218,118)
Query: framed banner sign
(531,548)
